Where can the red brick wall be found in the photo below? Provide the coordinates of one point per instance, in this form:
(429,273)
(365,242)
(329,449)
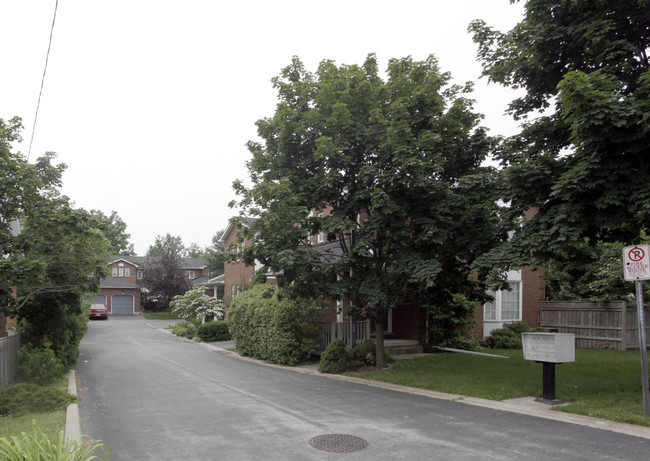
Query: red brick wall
(533,291)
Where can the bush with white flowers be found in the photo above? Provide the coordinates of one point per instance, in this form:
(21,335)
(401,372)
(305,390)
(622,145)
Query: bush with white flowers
(196,307)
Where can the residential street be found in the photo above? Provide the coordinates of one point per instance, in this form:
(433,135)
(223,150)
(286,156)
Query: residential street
(149,395)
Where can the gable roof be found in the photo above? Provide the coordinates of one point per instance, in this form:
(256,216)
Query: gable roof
(139,261)
(246,222)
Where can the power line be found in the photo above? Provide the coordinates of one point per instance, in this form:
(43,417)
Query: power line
(47,57)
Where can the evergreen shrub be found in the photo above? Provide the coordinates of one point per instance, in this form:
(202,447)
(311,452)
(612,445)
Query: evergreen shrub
(213,331)
(38,365)
(336,358)
(23,398)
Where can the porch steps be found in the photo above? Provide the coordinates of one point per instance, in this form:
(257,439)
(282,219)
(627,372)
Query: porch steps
(398,347)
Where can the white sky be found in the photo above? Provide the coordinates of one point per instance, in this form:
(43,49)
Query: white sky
(150,102)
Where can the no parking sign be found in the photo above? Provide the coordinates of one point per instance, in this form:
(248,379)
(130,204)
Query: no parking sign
(636,262)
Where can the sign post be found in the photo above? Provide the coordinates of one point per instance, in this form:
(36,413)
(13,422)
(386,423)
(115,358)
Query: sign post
(636,266)
(549,349)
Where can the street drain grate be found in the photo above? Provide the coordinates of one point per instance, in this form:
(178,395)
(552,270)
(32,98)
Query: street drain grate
(338,443)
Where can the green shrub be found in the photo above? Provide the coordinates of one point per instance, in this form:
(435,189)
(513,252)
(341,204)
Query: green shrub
(23,398)
(269,327)
(213,331)
(517,327)
(336,358)
(38,446)
(184,329)
(503,338)
(38,364)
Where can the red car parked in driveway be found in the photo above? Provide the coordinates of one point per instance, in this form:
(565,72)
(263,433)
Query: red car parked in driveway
(98,311)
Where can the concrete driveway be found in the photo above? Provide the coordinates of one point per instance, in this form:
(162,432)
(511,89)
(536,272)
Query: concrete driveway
(152,396)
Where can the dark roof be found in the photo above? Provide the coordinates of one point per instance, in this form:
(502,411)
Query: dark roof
(331,251)
(139,261)
(200,281)
(117,282)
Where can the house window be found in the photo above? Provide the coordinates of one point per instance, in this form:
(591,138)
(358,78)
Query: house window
(139,275)
(127,272)
(121,272)
(115,272)
(506,305)
(190,275)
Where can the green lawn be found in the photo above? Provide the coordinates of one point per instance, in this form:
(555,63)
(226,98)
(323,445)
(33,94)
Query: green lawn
(160,315)
(50,423)
(600,383)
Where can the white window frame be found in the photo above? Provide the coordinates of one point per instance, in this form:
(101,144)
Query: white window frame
(190,274)
(493,312)
(321,235)
(115,272)
(127,272)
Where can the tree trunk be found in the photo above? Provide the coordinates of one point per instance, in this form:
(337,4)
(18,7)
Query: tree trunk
(379,337)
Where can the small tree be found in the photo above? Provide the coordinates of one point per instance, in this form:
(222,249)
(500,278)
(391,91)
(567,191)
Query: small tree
(196,307)
(163,275)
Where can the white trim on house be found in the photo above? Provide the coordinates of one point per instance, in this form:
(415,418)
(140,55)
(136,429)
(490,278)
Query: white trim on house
(506,307)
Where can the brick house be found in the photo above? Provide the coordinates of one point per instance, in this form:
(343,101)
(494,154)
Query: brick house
(121,293)
(409,321)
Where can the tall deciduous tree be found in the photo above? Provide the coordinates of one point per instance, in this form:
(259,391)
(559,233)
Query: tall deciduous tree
(57,258)
(390,171)
(581,157)
(163,273)
(114,229)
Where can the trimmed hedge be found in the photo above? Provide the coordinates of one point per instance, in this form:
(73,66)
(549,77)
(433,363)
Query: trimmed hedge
(213,331)
(268,327)
(24,398)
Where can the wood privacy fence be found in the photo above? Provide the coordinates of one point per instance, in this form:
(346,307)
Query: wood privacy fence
(9,346)
(596,326)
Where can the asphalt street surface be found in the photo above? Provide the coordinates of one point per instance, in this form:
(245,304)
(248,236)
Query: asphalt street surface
(149,395)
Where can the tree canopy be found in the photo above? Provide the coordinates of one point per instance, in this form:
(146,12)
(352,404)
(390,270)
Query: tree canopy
(389,172)
(163,275)
(114,229)
(580,159)
(57,258)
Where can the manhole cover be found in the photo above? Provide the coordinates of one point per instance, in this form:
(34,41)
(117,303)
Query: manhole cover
(338,443)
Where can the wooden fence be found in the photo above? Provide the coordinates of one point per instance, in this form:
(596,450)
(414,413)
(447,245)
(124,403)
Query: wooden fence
(329,331)
(596,326)
(9,346)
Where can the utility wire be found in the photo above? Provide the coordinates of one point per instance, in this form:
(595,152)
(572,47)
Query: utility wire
(47,57)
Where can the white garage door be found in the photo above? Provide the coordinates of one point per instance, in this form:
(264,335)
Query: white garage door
(122,304)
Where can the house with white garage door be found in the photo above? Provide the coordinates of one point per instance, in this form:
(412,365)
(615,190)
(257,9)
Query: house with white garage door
(121,292)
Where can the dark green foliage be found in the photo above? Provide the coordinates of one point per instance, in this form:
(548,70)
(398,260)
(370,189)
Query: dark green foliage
(365,353)
(502,338)
(213,331)
(184,329)
(508,337)
(582,165)
(268,327)
(390,171)
(38,365)
(23,398)
(449,321)
(336,358)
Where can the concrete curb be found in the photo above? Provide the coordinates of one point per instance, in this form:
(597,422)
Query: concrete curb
(72,417)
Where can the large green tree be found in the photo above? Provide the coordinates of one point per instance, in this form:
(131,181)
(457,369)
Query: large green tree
(581,158)
(114,229)
(56,259)
(390,171)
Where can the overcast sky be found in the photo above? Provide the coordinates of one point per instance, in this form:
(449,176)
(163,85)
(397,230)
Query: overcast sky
(150,102)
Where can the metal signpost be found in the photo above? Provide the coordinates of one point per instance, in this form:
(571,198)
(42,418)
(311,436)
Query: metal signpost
(636,265)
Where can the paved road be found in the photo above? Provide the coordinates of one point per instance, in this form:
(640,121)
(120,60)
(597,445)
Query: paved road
(152,396)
